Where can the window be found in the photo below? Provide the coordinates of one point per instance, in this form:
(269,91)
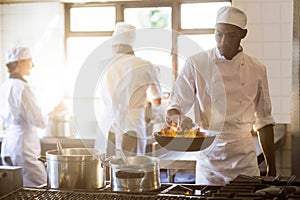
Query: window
(153,17)
(200,15)
(87,26)
(92,18)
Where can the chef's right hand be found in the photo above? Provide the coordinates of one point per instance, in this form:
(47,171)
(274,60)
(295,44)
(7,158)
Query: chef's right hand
(173,118)
(58,109)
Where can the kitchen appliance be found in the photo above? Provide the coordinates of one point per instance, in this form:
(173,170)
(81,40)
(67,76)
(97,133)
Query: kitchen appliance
(61,126)
(75,168)
(10,179)
(242,188)
(141,173)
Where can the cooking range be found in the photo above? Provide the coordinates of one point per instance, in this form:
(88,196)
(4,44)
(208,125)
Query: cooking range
(243,187)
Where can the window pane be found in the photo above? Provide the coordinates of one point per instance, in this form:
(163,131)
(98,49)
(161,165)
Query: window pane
(154,17)
(93,18)
(200,15)
(205,42)
(79,48)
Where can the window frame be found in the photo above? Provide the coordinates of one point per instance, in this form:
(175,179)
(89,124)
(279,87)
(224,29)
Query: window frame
(122,5)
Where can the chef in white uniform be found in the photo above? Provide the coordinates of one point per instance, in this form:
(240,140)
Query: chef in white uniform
(231,90)
(21,115)
(123,93)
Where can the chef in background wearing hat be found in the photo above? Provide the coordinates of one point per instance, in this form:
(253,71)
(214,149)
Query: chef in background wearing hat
(21,115)
(242,91)
(124,94)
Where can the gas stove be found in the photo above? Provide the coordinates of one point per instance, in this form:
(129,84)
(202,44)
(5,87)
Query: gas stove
(242,188)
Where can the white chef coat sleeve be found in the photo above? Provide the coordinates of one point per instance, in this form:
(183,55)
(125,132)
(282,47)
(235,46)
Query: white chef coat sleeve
(183,93)
(263,105)
(31,110)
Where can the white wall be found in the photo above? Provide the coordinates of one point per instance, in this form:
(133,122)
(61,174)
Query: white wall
(270,25)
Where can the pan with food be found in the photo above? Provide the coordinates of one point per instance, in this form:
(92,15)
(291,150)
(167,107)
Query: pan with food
(186,140)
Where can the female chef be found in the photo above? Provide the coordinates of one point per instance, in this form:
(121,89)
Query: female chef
(21,115)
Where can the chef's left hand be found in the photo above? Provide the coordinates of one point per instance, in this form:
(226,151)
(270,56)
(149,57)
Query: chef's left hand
(186,123)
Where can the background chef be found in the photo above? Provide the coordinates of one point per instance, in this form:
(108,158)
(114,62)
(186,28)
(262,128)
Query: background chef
(123,94)
(231,90)
(21,115)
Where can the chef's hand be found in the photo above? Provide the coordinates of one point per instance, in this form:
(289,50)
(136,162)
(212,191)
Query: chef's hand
(186,123)
(173,119)
(58,109)
(178,121)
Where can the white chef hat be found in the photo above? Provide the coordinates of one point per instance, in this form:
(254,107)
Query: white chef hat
(18,53)
(233,16)
(124,34)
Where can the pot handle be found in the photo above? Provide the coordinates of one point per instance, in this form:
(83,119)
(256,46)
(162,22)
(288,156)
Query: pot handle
(127,174)
(42,159)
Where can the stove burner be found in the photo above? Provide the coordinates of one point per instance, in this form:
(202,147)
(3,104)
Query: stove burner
(243,188)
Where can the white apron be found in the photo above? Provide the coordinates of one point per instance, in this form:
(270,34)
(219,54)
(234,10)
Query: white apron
(229,155)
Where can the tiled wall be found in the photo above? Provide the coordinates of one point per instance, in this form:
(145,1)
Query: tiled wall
(269,39)
(40,26)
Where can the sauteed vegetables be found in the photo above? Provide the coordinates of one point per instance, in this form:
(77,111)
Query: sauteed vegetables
(188,133)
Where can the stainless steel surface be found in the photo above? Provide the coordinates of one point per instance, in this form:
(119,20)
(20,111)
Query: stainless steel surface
(142,174)
(61,126)
(10,179)
(76,168)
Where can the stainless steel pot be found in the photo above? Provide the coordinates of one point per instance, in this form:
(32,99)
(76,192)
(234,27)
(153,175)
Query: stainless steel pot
(61,126)
(76,168)
(140,174)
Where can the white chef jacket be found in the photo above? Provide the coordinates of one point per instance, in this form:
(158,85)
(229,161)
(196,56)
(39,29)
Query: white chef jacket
(232,96)
(122,98)
(21,114)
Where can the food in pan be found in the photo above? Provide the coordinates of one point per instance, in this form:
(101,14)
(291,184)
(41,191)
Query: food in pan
(188,133)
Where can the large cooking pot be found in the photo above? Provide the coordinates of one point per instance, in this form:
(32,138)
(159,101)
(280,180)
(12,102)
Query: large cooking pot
(141,173)
(76,168)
